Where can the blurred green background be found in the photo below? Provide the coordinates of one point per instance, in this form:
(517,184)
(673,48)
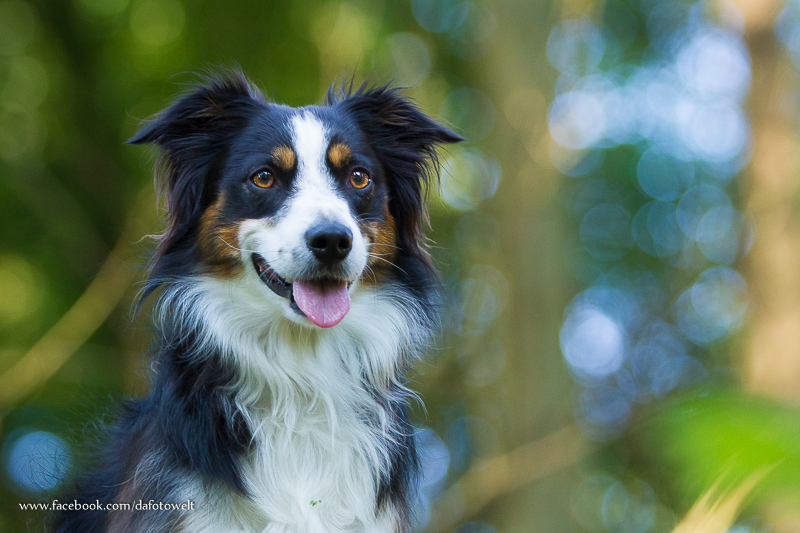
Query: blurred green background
(620,238)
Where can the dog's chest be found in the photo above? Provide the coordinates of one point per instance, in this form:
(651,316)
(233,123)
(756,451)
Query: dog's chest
(316,472)
(316,459)
(318,410)
(303,477)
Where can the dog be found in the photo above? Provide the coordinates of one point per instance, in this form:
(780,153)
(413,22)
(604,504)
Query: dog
(295,289)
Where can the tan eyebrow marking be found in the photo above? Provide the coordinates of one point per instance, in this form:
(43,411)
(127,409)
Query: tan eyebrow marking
(284,157)
(339,154)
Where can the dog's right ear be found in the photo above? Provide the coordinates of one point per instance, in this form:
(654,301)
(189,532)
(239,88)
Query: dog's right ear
(192,135)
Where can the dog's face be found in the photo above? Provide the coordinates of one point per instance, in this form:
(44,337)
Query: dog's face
(316,202)
(302,203)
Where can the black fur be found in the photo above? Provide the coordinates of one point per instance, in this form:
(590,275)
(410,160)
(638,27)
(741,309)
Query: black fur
(188,420)
(398,486)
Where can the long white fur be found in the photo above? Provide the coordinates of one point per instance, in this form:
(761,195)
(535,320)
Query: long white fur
(319,433)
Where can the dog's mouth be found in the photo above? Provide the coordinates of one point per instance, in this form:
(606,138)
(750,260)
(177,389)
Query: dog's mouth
(271,279)
(324,301)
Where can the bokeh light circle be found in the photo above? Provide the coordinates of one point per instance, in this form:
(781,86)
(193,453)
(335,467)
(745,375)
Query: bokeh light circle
(36,460)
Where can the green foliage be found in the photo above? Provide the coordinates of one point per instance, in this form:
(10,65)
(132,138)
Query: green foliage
(694,440)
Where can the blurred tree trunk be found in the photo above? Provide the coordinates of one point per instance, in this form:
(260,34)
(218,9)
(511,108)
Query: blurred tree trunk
(769,195)
(769,192)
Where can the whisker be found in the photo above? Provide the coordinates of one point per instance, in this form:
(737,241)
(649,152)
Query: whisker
(386,261)
(381,244)
(234,247)
(245,249)
(372,273)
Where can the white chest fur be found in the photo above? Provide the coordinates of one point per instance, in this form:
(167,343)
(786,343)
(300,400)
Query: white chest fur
(316,465)
(319,434)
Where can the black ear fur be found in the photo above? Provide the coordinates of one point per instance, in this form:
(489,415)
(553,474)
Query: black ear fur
(193,134)
(405,140)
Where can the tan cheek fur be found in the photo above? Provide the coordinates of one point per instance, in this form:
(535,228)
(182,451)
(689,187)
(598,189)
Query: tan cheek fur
(382,248)
(219,241)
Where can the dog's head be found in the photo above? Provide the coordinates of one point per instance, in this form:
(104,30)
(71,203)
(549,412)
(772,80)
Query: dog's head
(315,201)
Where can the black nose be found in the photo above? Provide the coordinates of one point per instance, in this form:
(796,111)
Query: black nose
(330,241)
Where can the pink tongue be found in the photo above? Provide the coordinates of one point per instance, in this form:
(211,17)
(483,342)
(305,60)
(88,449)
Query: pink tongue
(325,305)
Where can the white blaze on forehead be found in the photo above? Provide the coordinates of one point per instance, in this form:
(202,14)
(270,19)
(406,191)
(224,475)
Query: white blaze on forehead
(316,195)
(310,143)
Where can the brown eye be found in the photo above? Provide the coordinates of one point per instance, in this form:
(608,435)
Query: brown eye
(263,179)
(359,179)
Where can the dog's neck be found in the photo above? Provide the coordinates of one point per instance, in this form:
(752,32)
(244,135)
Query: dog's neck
(233,318)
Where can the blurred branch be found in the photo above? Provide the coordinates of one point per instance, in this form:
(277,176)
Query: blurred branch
(759,15)
(716,512)
(80,322)
(505,474)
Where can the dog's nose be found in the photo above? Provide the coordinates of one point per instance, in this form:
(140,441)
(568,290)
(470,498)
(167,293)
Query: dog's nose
(330,241)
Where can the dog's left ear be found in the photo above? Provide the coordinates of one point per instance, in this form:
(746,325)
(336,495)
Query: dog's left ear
(193,134)
(405,140)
